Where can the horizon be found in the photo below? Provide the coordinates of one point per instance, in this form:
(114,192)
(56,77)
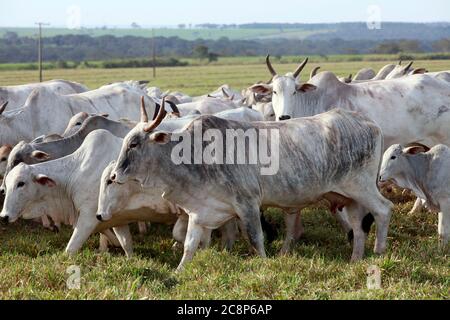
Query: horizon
(88,14)
(193,26)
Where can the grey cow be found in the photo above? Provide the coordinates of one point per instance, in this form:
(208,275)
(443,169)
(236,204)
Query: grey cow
(426,173)
(334,155)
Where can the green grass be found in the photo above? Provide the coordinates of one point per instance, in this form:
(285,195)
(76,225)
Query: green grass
(34,266)
(196,80)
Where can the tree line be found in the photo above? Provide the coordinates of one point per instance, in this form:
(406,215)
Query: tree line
(14,49)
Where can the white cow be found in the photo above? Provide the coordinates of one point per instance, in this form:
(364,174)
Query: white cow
(415,108)
(45,111)
(65,189)
(17,95)
(427,174)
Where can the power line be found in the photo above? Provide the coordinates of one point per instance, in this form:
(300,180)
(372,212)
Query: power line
(40,24)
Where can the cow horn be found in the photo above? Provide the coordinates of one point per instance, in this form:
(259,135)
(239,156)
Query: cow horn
(159,118)
(225,94)
(408,66)
(174,108)
(313,72)
(144,115)
(3,107)
(300,68)
(269,66)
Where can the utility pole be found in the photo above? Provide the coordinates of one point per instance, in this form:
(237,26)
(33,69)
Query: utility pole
(154,53)
(40,24)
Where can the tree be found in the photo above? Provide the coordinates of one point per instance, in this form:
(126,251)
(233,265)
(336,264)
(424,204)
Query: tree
(201,52)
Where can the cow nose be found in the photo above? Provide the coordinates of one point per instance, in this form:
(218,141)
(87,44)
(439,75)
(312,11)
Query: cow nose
(113,177)
(284,118)
(99,217)
(5,219)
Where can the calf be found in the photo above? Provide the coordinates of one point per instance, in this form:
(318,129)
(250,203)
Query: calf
(426,173)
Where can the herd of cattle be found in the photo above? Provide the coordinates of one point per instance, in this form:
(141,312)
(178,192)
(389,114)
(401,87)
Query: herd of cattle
(94,160)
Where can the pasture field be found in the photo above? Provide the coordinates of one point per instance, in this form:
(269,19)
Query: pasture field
(33,265)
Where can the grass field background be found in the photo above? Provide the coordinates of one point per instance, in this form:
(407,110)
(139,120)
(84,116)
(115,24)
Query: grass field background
(33,264)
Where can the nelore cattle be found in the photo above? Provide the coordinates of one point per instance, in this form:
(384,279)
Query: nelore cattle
(427,173)
(334,155)
(414,108)
(16,96)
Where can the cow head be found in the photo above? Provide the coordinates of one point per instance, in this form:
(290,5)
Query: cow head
(113,197)
(24,188)
(395,165)
(136,145)
(284,90)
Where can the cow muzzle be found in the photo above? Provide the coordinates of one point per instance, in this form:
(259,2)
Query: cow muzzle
(116,178)
(103,216)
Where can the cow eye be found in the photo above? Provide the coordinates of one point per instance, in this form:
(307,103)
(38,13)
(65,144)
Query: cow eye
(3,159)
(274,92)
(133,145)
(295,92)
(78,124)
(20,184)
(393,157)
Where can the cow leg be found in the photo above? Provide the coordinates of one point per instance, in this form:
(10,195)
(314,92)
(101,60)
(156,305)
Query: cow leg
(229,233)
(444,224)
(110,237)
(342,218)
(126,241)
(294,230)
(103,246)
(142,226)
(83,229)
(193,236)
(356,213)
(417,207)
(251,223)
(180,228)
(205,240)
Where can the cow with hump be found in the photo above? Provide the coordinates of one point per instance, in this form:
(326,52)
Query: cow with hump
(334,156)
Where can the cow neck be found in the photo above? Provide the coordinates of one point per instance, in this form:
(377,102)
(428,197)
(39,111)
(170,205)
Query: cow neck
(61,171)
(61,207)
(68,145)
(16,128)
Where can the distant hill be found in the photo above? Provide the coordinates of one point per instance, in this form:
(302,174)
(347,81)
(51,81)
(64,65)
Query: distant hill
(262,31)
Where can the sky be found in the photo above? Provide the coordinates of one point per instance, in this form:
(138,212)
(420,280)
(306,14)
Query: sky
(90,13)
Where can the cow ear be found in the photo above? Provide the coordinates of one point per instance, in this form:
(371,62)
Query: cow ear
(414,150)
(306,87)
(160,137)
(44,180)
(419,71)
(261,88)
(40,155)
